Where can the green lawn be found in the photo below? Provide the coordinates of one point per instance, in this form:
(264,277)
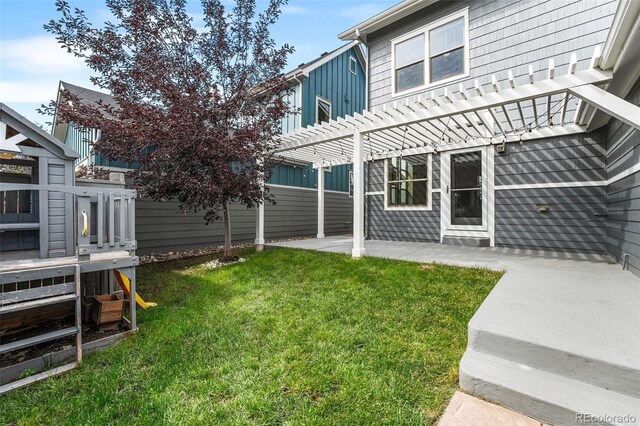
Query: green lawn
(288,337)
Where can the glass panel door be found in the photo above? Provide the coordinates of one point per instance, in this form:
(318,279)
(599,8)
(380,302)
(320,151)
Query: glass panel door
(466,188)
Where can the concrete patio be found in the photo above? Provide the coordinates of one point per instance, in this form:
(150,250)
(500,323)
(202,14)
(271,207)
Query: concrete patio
(558,337)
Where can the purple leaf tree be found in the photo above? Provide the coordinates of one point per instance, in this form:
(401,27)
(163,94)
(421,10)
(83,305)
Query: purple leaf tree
(197,110)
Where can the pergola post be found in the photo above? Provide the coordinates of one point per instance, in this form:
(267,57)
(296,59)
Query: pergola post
(321,171)
(260,220)
(358,196)
(260,227)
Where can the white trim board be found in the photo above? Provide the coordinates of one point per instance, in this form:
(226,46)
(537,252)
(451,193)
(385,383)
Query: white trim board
(304,189)
(550,185)
(631,170)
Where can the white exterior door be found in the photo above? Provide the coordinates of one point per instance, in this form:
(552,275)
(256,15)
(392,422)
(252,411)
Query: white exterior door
(466,208)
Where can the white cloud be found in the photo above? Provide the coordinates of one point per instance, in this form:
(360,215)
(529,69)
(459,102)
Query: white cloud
(41,91)
(363,11)
(38,55)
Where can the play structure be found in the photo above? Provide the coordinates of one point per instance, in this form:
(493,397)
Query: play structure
(125,285)
(61,238)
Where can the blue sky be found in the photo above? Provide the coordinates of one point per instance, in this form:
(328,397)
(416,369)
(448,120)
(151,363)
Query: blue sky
(31,63)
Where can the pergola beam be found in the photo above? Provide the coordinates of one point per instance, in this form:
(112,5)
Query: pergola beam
(611,104)
(420,125)
(546,132)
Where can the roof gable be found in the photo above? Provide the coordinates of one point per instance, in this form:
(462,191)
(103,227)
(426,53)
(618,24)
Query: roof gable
(30,132)
(303,70)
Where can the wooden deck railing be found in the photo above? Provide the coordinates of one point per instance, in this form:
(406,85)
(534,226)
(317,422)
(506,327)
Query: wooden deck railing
(105,217)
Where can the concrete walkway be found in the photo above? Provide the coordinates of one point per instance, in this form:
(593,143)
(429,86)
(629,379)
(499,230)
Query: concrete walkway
(558,336)
(465,410)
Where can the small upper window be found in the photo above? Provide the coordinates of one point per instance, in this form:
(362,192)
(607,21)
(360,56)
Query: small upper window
(435,53)
(352,64)
(323,110)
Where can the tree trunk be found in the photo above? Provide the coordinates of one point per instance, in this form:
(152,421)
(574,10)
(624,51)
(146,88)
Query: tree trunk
(228,250)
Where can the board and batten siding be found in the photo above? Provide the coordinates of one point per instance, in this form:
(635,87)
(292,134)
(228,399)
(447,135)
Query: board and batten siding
(576,218)
(401,225)
(161,228)
(334,82)
(503,35)
(623,196)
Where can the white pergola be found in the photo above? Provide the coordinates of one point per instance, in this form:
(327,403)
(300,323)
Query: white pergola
(478,117)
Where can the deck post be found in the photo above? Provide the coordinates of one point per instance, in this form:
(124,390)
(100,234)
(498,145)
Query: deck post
(358,196)
(132,300)
(321,171)
(260,219)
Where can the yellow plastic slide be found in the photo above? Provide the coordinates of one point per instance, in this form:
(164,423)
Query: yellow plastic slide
(124,282)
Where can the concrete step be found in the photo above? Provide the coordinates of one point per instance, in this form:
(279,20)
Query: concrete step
(549,397)
(466,241)
(598,372)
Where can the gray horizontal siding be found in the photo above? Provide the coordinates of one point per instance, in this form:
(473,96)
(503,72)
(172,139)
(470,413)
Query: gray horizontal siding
(623,196)
(56,211)
(575,220)
(401,225)
(504,35)
(575,158)
(161,228)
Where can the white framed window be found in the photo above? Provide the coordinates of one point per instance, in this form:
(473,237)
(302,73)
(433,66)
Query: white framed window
(407,183)
(352,65)
(435,54)
(323,110)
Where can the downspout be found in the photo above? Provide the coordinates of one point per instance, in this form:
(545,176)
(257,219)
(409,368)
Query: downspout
(366,71)
(367,207)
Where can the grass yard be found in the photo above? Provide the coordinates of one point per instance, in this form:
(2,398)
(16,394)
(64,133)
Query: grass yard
(288,337)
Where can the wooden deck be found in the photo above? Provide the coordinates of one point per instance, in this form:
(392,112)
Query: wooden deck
(96,262)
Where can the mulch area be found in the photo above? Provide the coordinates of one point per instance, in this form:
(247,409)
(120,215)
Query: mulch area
(206,251)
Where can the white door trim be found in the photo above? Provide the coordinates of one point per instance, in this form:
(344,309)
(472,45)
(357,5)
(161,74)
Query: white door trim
(487,229)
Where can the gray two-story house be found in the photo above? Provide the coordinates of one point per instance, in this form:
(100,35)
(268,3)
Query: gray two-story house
(515,125)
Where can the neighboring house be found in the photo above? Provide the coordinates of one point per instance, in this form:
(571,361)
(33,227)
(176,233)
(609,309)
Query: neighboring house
(330,86)
(512,124)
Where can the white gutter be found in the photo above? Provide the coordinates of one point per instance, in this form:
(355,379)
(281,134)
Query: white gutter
(389,16)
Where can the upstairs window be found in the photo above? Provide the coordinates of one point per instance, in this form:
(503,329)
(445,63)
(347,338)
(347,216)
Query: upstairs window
(323,110)
(352,64)
(446,50)
(409,63)
(434,54)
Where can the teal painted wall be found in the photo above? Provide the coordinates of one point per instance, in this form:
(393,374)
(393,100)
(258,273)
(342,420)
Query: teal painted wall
(79,140)
(332,81)
(346,91)
(306,177)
